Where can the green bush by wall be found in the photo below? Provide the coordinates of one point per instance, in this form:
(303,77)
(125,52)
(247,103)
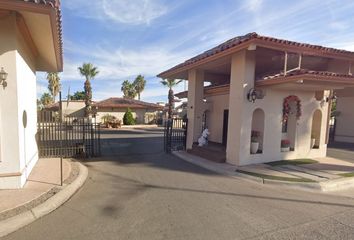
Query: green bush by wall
(128,118)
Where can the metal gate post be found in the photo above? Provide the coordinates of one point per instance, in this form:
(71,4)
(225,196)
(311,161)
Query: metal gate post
(185,133)
(61,138)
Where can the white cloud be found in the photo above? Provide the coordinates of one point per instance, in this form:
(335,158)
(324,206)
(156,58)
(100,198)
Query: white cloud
(338,25)
(253,5)
(122,11)
(122,63)
(135,12)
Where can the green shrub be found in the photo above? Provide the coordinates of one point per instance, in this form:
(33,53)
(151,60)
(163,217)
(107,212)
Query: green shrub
(128,118)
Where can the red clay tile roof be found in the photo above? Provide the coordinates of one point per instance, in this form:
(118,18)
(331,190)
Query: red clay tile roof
(55,4)
(307,75)
(52,3)
(258,39)
(298,72)
(126,103)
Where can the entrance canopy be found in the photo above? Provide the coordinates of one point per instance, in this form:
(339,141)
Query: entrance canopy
(39,22)
(280,64)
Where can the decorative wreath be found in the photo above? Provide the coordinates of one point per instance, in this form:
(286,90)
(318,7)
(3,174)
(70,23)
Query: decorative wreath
(286,107)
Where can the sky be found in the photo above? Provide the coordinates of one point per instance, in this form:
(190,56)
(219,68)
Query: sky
(124,38)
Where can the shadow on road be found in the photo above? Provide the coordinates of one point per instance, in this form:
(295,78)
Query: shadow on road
(141,147)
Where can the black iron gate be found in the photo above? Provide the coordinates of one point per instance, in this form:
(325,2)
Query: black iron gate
(175,134)
(67,137)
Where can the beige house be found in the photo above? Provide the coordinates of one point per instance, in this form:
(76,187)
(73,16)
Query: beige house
(278,90)
(30,41)
(71,108)
(344,125)
(143,112)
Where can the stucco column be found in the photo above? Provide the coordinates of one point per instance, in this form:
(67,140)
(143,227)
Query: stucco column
(9,116)
(195,105)
(18,147)
(240,120)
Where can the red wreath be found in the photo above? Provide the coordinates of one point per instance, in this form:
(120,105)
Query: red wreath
(286,107)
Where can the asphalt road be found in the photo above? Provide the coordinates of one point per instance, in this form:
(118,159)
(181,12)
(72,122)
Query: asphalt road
(137,192)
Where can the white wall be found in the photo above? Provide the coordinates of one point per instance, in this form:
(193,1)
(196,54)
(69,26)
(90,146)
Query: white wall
(215,116)
(74,108)
(18,151)
(241,112)
(272,105)
(345,121)
(27,102)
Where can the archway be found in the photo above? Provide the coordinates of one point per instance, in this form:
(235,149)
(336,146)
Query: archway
(291,114)
(316,129)
(257,133)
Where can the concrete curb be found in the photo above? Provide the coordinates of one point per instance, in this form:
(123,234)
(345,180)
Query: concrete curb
(14,223)
(326,186)
(218,170)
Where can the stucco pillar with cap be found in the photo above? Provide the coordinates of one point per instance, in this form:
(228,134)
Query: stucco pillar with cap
(241,80)
(195,105)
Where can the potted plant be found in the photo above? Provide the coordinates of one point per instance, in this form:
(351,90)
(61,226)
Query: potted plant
(254,141)
(313,141)
(285,145)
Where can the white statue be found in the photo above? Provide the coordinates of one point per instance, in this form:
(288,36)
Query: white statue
(203,140)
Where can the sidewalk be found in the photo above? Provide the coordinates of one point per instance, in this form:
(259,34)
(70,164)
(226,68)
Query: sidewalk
(324,174)
(41,194)
(44,177)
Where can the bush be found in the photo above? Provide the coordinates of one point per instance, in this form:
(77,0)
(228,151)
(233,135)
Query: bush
(108,118)
(128,118)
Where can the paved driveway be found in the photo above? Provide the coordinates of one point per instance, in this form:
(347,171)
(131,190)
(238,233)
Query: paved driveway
(137,192)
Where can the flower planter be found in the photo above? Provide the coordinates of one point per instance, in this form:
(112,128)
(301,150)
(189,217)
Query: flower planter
(285,149)
(254,147)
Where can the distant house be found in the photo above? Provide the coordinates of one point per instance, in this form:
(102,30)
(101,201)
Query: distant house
(143,112)
(71,108)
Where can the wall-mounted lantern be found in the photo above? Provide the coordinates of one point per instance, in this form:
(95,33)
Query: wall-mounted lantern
(3,77)
(254,94)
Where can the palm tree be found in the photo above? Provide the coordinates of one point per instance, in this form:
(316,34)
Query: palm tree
(46,99)
(139,84)
(53,83)
(78,95)
(128,89)
(89,72)
(170,83)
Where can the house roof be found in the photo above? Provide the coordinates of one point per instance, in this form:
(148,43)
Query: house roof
(308,72)
(55,4)
(331,80)
(51,7)
(52,3)
(116,102)
(305,74)
(244,41)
